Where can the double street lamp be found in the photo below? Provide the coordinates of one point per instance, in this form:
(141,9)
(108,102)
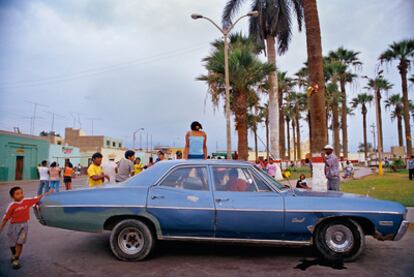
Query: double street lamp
(225,31)
(134,134)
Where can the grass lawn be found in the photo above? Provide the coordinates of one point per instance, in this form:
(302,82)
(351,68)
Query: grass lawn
(391,186)
(297,171)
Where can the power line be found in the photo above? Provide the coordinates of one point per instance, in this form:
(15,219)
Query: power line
(97,71)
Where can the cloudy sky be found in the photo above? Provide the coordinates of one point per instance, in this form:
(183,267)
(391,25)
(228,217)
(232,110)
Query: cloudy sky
(133,64)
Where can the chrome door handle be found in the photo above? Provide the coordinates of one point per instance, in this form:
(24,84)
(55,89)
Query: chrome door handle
(219,200)
(157,197)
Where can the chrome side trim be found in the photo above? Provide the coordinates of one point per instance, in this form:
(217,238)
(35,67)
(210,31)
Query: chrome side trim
(180,208)
(341,211)
(249,210)
(236,240)
(92,206)
(402,230)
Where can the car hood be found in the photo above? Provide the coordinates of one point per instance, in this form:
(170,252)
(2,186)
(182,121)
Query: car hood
(339,201)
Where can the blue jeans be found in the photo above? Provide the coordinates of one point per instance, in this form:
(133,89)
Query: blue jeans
(43,185)
(196,157)
(55,185)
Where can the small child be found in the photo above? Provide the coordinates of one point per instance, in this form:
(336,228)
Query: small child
(68,173)
(19,214)
(302,183)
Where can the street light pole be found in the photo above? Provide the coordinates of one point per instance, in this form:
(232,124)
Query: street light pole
(225,32)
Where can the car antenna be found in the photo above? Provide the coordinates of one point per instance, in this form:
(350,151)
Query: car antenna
(286,175)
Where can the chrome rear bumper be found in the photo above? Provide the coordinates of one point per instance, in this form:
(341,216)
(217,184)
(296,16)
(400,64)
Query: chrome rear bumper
(402,230)
(36,210)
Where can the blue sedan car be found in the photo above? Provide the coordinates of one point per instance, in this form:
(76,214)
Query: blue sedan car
(222,201)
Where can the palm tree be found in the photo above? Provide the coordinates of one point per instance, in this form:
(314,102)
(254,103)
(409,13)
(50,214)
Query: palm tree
(403,52)
(395,102)
(316,76)
(288,112)
(253,119)
(296,103)
(333,97)
(349,59)
(302,81)
(378,85)
(264,114)
(362,100)
(334,69)
(246,73)
(285,85)
(411,79)
(272,26)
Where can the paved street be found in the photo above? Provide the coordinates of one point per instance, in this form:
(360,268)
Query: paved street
(55,252)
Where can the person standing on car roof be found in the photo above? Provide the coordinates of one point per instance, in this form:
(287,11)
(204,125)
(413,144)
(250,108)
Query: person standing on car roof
(196,142)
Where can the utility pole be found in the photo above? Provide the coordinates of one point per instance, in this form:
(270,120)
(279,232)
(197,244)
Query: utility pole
(134,137)
(92,119)
(33,120)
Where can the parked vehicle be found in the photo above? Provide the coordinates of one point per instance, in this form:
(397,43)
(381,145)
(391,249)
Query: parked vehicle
(221,201)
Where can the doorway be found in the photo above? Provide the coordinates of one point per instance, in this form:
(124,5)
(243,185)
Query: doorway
(19,168)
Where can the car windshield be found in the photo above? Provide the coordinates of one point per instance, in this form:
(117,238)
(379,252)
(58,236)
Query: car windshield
(270,179)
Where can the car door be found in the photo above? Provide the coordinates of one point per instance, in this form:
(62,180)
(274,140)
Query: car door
(183,203)
(246,207)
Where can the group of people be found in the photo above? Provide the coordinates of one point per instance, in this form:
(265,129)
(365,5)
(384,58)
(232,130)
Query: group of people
(50,175)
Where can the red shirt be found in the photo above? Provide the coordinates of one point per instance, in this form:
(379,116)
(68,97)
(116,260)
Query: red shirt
(19,212)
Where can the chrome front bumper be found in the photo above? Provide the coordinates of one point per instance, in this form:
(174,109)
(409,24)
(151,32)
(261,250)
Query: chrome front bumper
(402,230)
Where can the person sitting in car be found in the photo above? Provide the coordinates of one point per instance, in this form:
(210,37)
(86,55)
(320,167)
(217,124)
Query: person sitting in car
(235,183)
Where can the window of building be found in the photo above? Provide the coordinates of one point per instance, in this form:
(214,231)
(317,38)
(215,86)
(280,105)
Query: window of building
(120,145)
(113,144)
(108,143)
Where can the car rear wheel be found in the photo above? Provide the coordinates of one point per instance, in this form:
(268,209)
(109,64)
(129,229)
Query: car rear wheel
(131,240)
(340,240)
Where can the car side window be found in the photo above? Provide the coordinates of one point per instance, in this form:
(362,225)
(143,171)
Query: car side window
(191,178)
(261,185)
(233,179)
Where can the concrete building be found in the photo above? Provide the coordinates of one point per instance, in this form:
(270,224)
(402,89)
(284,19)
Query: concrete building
(76,137)
(20,154)
(61,153)
(110,148)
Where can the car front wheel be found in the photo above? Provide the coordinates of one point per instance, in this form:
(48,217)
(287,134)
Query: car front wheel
(131,240)
(340,240)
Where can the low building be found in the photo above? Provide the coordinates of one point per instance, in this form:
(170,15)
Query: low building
(20,155)
(88,145)
(62,153)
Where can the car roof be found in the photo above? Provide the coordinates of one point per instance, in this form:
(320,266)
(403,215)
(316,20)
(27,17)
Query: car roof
(207,162)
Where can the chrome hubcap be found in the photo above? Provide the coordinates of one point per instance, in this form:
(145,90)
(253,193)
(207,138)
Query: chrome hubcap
(339,238)
(131,241)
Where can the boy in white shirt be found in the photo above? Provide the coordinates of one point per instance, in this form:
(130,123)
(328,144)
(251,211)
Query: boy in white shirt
(43,171)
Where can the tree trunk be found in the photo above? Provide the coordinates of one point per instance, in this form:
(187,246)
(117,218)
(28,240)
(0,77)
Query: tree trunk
(298,137)
(327,124)
(273,99)
(406,108)
(241,126)
(335,129)
(309,128)
(256,151)
(294,139)
(288,138)
(282,143)
(316,76)
(400,132)
(378,92)
(344,121)
(267,137)
(364,129)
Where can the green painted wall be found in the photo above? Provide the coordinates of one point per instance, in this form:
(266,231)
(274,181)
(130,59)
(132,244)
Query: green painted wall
(32,150)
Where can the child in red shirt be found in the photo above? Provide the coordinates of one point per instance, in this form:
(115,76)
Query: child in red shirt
(18,212)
